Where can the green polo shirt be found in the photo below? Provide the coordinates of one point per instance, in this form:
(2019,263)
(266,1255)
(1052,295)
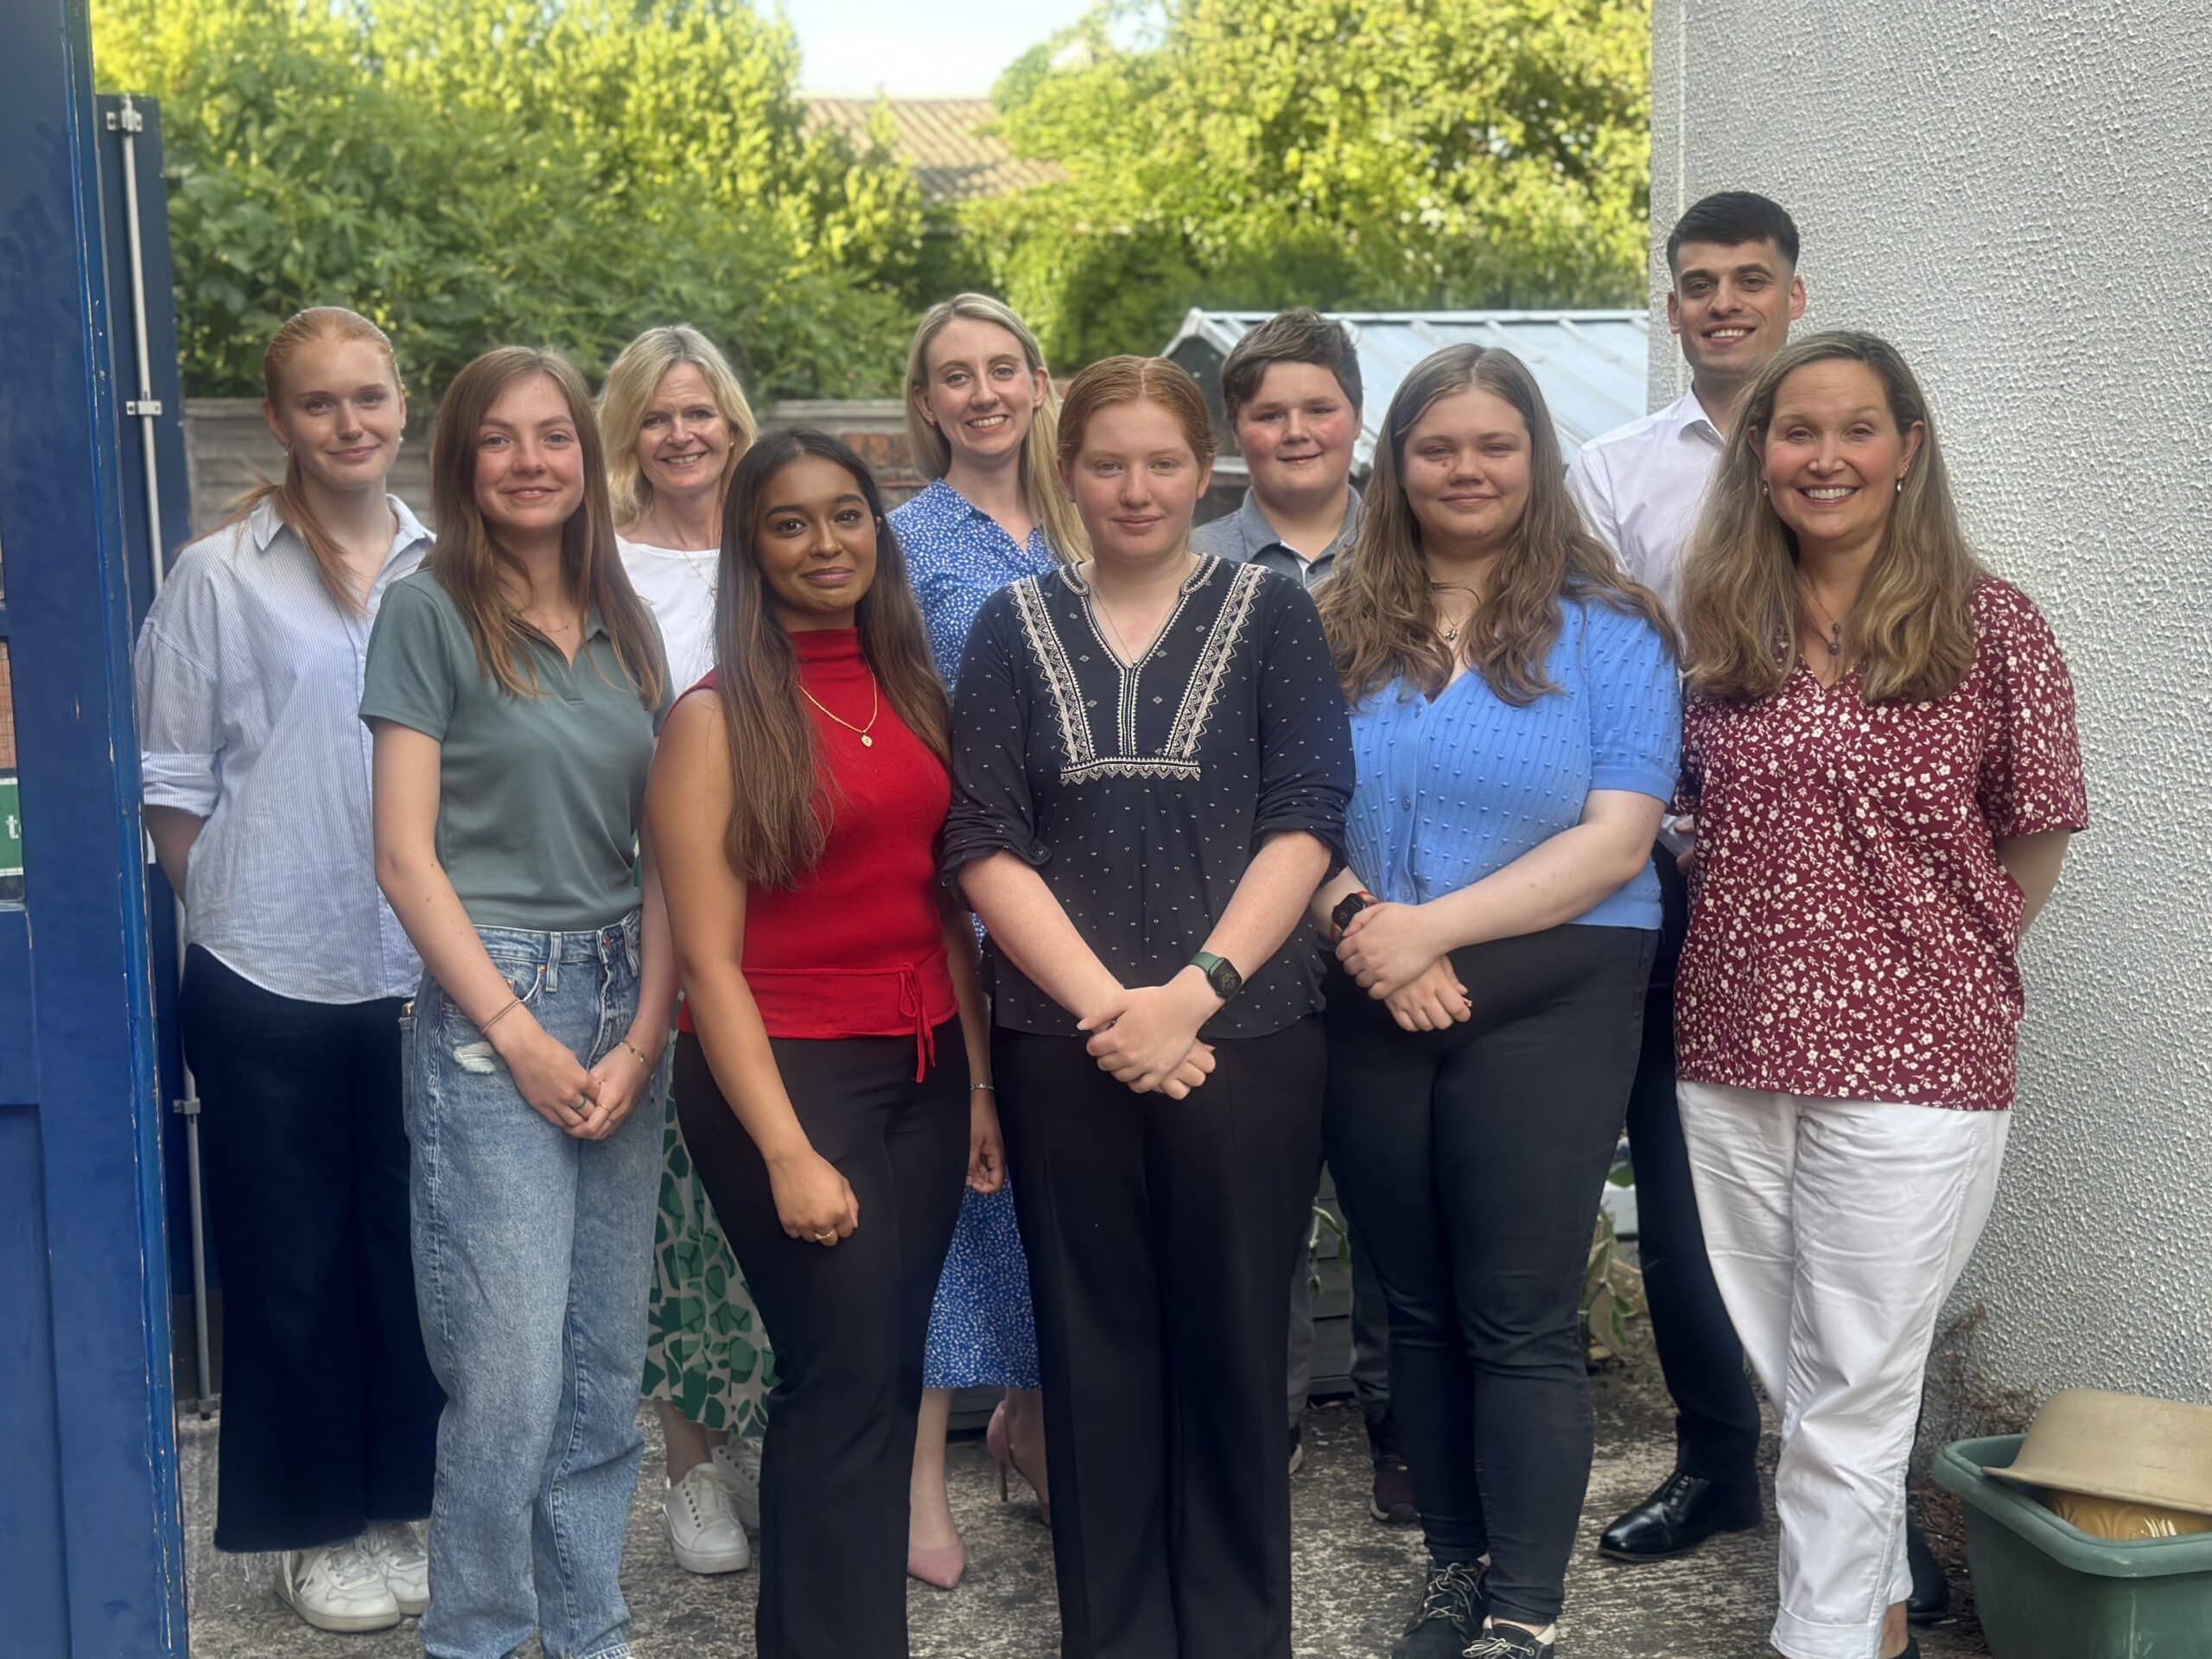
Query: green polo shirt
(539,799)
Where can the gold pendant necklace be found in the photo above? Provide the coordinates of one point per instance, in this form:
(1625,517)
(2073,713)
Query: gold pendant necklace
(874,708)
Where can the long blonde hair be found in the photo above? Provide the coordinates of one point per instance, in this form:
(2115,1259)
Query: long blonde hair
(632,380)
(469,562)
(1377,608)
(1914,620)
(1040,488)
(289,498)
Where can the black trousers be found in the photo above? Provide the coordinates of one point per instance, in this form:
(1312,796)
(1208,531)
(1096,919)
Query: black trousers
(1716,1417)
(330,1413)
(1160,1234)
(1473,1160)
(848,1322)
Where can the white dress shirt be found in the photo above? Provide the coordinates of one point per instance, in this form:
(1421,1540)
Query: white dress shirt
(678,587)
(1640,485)
(248,679)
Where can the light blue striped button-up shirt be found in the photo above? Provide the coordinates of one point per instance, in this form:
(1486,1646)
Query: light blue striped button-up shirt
(248,691)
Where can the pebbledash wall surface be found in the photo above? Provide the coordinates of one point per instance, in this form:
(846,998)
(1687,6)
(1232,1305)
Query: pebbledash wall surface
(2017,195)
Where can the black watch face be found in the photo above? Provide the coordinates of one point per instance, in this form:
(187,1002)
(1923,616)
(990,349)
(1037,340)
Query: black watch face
(1225,979)
(1347,908)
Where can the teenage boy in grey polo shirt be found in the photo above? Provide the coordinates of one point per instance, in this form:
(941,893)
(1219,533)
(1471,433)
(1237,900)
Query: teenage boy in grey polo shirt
(1291,388)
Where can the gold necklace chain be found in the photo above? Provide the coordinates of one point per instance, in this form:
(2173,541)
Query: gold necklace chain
(1834,639)
(874,708)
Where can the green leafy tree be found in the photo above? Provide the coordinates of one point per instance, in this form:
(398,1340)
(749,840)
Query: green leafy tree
(1352,153)
(474,171)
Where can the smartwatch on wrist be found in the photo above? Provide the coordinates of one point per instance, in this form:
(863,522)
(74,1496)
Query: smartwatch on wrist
(1349,906)
(1220,974)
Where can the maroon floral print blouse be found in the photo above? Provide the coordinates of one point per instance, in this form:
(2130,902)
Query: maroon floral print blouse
(1851,934)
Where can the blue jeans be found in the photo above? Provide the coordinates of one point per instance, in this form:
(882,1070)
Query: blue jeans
(532,1256)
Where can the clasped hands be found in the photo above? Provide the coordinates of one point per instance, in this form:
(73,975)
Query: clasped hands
(1397,957)
(1148,1037)
(587,1104)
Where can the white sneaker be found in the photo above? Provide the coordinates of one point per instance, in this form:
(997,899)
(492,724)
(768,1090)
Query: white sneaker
(702,1528)
(337,1588)
(736,1462)
(398,1552)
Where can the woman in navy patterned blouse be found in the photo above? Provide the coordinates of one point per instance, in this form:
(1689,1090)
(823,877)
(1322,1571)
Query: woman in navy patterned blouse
(1518,725)
(1151,762)
(979,413)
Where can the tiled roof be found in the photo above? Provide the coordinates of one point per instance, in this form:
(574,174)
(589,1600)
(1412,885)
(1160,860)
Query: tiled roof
(953,161)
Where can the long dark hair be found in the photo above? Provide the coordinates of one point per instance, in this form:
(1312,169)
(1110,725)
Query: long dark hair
(781,812)
(1377,608)
(468,561)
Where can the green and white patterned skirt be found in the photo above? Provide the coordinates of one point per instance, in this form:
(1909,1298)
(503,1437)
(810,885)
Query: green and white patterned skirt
(706,1351)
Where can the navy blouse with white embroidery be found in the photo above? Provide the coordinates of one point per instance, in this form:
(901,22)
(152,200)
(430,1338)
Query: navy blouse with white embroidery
(1141,793)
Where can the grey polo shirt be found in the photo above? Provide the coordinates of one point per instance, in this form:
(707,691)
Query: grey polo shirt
(1246,536)
(539,799)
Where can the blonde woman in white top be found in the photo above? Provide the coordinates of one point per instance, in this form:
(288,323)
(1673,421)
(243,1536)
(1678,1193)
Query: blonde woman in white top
(255,770)
(676,422)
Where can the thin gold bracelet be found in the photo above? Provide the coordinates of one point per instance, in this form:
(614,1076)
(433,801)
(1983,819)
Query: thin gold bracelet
(513,1002)
(640,1053)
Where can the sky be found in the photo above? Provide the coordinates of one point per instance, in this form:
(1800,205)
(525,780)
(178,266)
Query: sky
(918,48)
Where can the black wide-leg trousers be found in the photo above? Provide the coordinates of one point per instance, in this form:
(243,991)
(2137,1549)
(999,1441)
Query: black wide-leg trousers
(1472,1160)
(849,1322)
(1716,1417)
(1160,1234)
(330,1412)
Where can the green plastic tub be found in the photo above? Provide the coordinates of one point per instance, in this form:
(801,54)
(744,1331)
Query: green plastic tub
(2046,1590)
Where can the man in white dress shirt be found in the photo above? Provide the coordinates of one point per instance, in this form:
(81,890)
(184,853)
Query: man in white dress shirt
(1735,292)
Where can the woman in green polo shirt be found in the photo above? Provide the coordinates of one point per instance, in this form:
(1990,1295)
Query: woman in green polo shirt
(514,685)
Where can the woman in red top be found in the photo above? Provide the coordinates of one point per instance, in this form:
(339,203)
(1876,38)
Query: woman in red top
(1881,755)
(824,1099)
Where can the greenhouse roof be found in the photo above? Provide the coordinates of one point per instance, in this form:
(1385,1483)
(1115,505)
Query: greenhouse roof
(1592,365)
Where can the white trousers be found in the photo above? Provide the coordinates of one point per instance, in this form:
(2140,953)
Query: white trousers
(1836,1227)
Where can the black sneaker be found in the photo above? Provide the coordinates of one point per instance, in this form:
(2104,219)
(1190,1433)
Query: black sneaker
(1452,1608)
(1508,1642)
(1391,1499)
(1297,1447)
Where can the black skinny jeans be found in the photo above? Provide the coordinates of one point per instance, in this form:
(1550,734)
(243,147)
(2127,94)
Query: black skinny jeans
(849,1322)
(1472,1161)
(330,1412)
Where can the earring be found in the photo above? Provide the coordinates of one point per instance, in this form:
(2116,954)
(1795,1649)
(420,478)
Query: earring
(1900,486)
(1762,487)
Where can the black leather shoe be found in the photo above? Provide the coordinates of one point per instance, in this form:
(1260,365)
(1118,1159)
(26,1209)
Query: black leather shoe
(1683,1514)
(1931,1591)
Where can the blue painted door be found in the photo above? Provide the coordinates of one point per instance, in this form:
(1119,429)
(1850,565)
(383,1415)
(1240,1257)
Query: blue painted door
(91,1543)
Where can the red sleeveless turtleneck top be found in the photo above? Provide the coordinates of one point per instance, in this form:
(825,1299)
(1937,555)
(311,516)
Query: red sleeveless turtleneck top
(857,947)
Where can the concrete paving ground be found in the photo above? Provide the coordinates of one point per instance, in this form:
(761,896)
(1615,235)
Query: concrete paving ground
(1355,1581)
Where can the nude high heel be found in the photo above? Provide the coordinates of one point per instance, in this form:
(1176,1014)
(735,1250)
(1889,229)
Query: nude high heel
(998,1440)
(939,1568)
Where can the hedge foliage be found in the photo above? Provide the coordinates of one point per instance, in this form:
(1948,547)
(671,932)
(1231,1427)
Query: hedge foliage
(566,172)
(468,172)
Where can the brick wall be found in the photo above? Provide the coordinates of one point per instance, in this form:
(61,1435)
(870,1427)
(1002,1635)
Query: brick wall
(228,450)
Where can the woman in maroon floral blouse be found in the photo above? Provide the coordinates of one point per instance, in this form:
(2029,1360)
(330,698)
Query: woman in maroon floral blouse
(1881,757)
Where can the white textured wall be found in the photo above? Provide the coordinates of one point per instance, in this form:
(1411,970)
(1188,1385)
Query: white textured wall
(2020,197)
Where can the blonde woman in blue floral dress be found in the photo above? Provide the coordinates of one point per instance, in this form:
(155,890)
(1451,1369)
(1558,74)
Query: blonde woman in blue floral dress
(979,414)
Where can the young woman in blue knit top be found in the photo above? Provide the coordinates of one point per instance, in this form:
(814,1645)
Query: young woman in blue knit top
(1517,726)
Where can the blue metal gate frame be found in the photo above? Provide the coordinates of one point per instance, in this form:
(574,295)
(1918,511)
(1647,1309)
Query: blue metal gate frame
(91,1539)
